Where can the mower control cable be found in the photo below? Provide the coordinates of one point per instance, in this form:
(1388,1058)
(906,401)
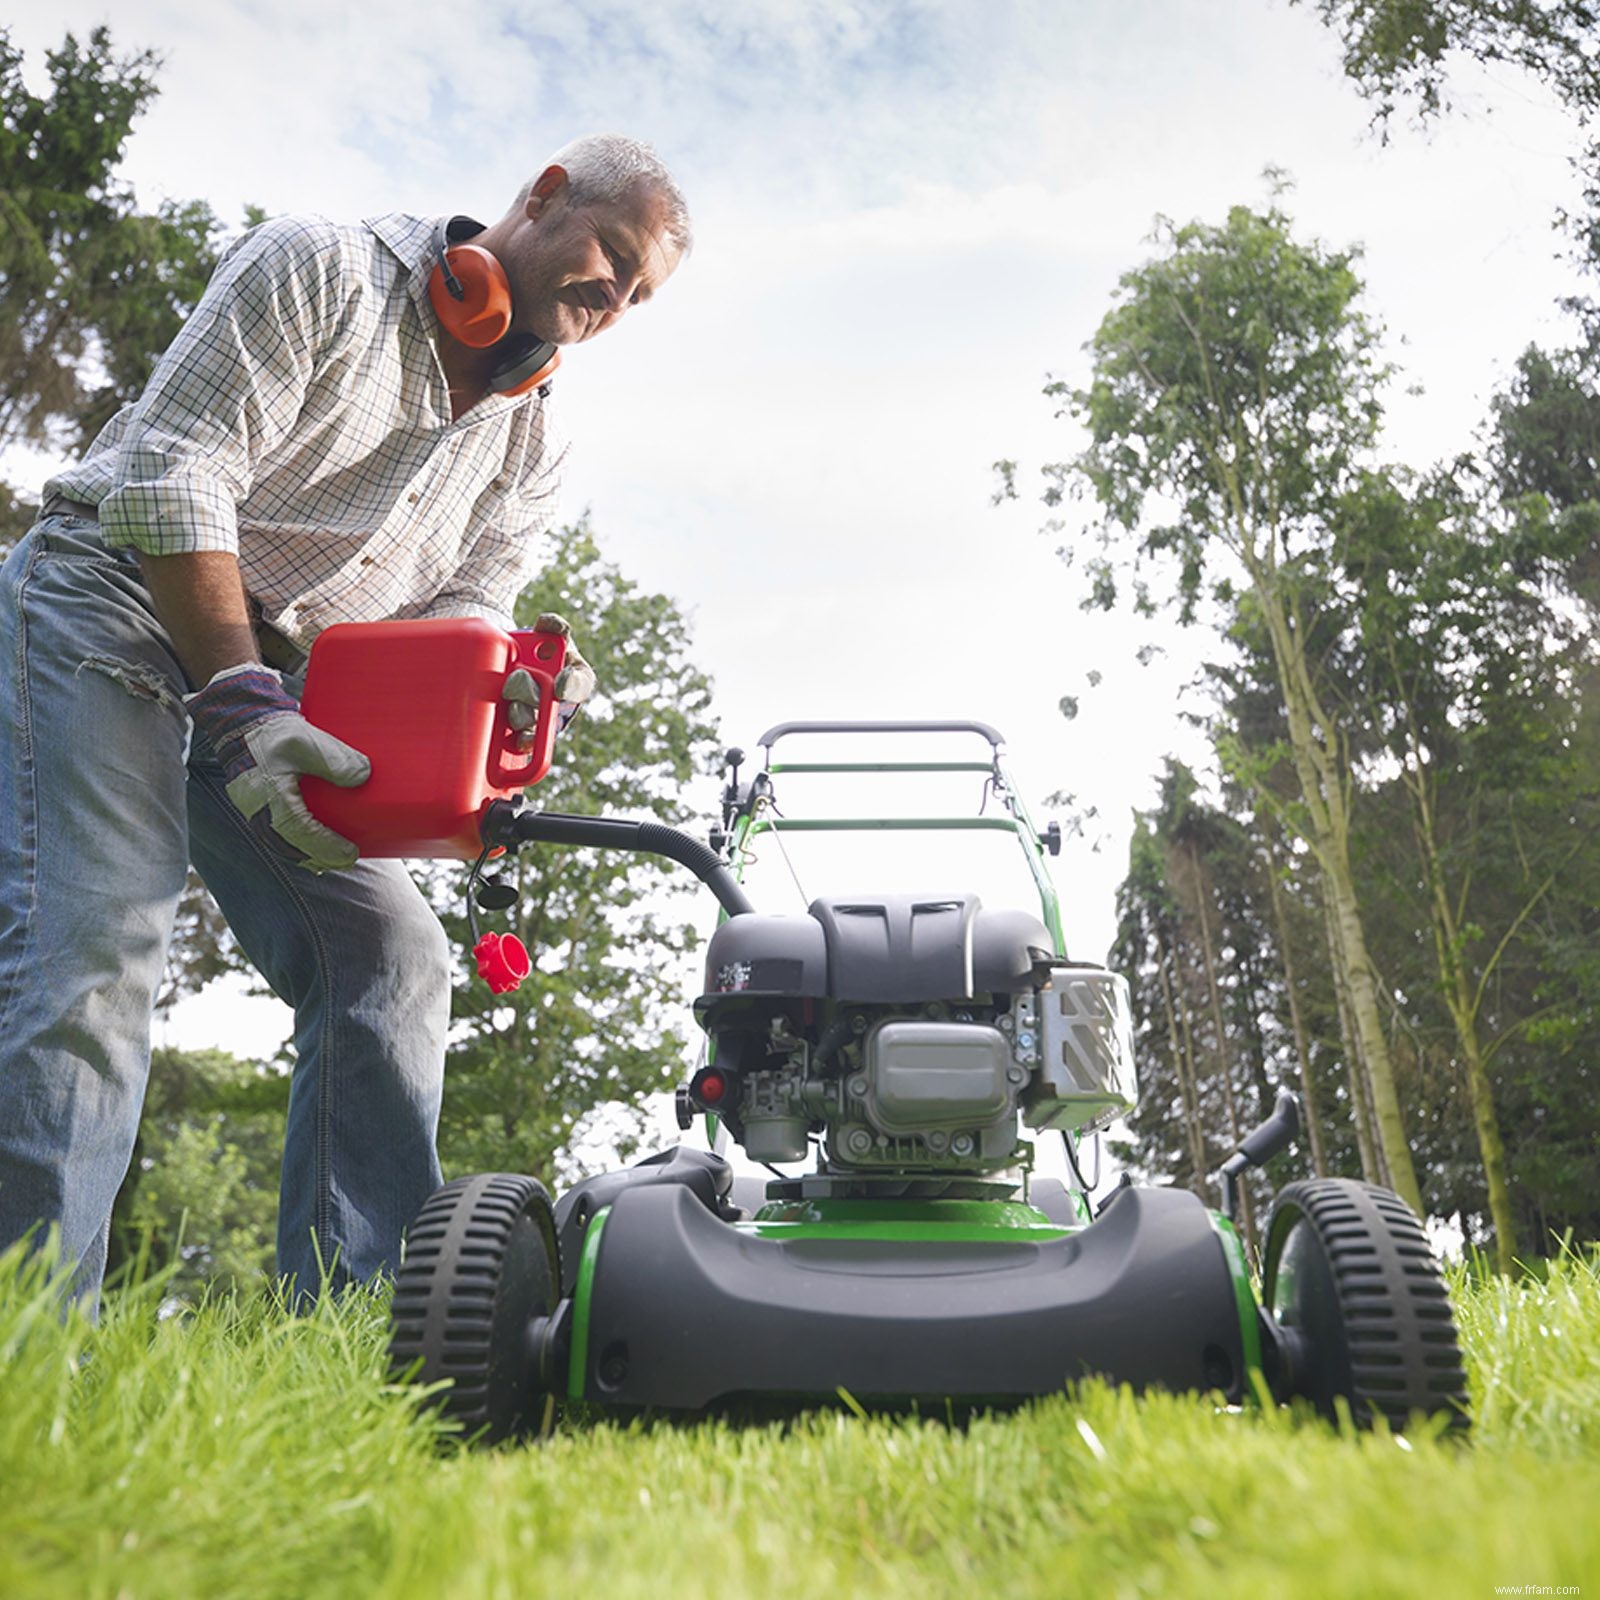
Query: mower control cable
(1087,1189)
(505,823)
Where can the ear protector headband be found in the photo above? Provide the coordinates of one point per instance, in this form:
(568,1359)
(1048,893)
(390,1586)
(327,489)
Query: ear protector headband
(471,296)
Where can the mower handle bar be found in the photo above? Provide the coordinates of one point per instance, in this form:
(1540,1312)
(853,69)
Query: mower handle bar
(505,824)
(774,734)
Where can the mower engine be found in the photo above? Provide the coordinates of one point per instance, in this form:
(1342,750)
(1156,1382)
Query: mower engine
(914,1035)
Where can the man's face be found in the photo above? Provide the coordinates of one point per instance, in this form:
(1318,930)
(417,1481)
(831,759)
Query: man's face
(576,270)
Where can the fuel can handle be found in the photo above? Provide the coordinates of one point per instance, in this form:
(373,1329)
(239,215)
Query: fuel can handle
(519,758)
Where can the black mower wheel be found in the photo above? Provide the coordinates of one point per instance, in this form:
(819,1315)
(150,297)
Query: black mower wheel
(1360,1304)
(481,1268)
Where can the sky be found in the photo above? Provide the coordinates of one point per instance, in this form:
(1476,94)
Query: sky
(909,214)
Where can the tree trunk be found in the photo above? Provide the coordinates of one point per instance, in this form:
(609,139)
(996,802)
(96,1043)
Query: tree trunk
(1456,990)
(1194,1131)
(1493,1148)
(1319,765)
(1224,1056)
(1186,1028)
(1360,1105)
(1319,1159)
(1362,986)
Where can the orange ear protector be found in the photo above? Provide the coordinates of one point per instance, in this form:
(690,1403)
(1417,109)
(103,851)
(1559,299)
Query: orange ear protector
(471,296)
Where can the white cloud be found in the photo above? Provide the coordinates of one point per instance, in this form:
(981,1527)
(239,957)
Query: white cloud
(908,212)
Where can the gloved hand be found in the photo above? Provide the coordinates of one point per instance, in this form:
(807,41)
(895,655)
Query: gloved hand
(264,744)
(574,683)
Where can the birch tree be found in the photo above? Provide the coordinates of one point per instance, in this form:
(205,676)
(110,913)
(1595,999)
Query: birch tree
(1234,398)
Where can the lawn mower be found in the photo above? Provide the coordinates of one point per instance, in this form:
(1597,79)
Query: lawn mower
(904,1049)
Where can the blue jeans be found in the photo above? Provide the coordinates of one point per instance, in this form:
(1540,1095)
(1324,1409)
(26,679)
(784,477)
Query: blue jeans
(102,807)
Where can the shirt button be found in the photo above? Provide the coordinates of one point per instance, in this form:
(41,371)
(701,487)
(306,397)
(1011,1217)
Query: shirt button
(413,498)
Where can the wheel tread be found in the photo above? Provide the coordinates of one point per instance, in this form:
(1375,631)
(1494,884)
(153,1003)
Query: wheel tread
(1401,1351)
(449,1306)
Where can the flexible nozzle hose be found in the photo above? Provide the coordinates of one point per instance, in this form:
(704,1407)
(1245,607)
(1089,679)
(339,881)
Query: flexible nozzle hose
(504,824)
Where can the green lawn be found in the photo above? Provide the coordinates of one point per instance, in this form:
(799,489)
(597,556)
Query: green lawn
(238,1452)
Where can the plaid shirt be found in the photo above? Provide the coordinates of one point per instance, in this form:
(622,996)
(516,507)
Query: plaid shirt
(301,420)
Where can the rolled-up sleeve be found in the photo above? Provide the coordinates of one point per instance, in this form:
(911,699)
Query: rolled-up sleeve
(229,388)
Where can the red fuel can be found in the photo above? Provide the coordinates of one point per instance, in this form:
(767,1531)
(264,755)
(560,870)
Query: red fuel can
(421,700)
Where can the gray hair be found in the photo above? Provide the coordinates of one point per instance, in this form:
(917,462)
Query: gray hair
(603,167)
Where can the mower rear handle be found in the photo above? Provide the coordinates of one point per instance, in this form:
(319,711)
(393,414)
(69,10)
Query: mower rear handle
(783,729)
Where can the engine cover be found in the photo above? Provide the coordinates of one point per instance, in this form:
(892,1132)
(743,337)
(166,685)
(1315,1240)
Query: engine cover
(755,956)
(894,949)
(903,949)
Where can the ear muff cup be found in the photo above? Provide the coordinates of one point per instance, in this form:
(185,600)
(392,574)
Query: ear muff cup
(522,364)
(482,316)
(471,296)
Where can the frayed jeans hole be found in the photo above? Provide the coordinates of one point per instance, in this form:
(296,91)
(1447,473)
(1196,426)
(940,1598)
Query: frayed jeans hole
(143,683)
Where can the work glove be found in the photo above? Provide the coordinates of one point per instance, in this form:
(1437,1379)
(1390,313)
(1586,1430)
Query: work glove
(264,744)
(574,683)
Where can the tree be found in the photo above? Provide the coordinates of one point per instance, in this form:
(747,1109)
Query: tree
(1547,435)
(1450,646)
(91,288)
(597,1023)
(92,291)
(1401,50)
(201,1193)
(1465,662)
(1273,870)
(1546,441)
(1233,399)
(1170,1129)
(1547,424)
(1397,50)
(1216,1017)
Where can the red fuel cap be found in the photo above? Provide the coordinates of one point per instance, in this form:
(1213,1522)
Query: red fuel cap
(503,961)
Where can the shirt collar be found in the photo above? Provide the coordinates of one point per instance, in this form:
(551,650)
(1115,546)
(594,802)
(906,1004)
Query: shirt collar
(410,240)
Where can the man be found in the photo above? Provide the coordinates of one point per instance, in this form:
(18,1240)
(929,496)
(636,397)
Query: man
(315,447)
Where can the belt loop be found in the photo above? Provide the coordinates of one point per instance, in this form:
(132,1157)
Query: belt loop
(276,647)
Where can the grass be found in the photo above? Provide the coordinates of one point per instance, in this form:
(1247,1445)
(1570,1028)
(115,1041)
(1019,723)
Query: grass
(235,1451)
